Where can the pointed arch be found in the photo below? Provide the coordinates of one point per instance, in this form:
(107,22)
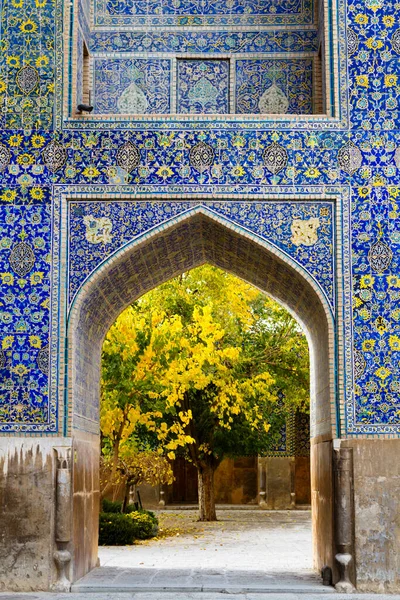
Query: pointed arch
(195,237)
(185,242)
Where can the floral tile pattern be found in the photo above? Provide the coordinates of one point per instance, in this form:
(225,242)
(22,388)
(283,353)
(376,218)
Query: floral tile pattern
(270,220)
(203,86)
(201,12)
(244,169)
(274,86)
(24,317)
(210,42)
(132,86)
(27,64)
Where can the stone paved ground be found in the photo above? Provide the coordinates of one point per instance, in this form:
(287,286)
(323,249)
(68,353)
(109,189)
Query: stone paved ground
(244,551)
(190,596)
(240,540)
(247,555)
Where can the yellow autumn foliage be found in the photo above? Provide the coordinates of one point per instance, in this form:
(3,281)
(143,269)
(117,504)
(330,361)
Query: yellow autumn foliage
(177,343)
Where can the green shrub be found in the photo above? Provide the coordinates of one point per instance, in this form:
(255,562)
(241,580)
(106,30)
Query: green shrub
(117,529)
(145,524)
(111,507)
(131,508)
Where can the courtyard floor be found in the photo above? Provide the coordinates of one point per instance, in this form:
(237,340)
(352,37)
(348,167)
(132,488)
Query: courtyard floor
(244,551)
(246,555)
(239,540)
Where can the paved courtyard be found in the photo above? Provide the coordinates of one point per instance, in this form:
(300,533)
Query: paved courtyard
(244,551)
(246,555)
(239,540)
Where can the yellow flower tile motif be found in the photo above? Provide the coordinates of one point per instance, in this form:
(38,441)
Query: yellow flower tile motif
(364,314)
(382,373)
(28,26)
(388,20)
(238,171)
(7,278)
(312,172)
(364,191)
(13,61)
(8,195)
(390,80)
(36,193)
(38,141)
(15,140)
(368,345)
(36,278)
(35,341)
(393,281)
(20,369)
(42,61)
(361,19)
(91,172)
(7,342)
(394,343)
(25,159)
(362,80)
(367,281)
(374,44)
(164,172)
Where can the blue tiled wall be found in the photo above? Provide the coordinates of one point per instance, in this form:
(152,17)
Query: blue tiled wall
(293,78)
(44,154)
(201,12)
(177,30)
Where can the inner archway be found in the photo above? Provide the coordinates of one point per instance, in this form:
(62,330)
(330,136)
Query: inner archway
(195,239)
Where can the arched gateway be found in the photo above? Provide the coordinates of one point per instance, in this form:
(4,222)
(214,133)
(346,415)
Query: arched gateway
(200,234)
(256,136)
(111,252)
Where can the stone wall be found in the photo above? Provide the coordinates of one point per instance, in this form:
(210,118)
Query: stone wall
(27,512)
(376,504)
(85,500)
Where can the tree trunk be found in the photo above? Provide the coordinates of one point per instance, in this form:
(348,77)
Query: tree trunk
(206,493)
(110,483)
(126,497)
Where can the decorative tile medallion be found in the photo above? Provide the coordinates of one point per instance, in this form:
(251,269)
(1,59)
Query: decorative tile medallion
(203,86)
(137,86)
(274,86)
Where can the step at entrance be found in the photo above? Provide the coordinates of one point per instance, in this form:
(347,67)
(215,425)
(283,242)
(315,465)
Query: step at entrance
(114,579)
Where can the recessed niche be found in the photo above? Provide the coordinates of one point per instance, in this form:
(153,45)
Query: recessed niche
(225,57)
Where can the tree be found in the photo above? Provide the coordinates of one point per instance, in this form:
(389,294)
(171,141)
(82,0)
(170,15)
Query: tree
(276,342)
(135,467)
(203,398)
(126,379)
(209,354)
